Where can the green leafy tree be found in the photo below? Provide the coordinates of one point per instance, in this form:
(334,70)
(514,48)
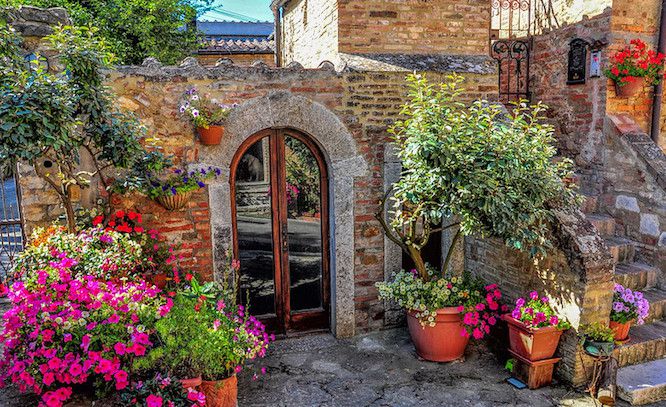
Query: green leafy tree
(496,174)
(51,119)
(136,29)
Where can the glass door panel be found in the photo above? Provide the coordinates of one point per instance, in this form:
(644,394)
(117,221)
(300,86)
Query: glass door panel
(254,223)
(303,203)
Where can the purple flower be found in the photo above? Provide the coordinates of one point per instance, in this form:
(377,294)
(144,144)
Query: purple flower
(534,295)
(201,184)
(618,307)
(520,302)
(173,191)
(516,313)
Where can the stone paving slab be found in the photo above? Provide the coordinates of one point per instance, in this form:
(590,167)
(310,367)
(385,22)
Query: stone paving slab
(381,369)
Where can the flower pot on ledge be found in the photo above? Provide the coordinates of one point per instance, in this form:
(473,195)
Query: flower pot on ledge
(210,136)
(174,202)
(533,344)
(442,342)
(630,89)
(621,330)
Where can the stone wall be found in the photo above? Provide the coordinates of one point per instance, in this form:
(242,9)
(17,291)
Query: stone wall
(414,26)
(309,32)
(577,276)
(635,188)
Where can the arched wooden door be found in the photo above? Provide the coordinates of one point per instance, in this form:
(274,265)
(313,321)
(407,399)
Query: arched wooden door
(279,189)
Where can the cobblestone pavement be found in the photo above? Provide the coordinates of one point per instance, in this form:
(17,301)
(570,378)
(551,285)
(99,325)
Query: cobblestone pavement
(378,369)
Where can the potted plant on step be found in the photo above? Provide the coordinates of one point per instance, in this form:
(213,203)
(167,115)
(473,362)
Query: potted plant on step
(462,168)
(598,339)
(634,67)
(628,306)
(207,115)
(534,328)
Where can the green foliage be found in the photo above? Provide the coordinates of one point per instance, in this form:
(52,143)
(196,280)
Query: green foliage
(136,29)
(303,174)
(597,332)
(57,116)
(496,173)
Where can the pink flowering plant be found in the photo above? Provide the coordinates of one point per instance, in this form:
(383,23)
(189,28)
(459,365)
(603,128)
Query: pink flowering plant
(97,252)
(478,304)
(536,312)
(161,391)
(629,305)
(65,329)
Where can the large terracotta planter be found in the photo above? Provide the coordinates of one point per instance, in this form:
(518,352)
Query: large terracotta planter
(630,89)
(442,342)
(221,393)
(174,202)
(532,343)
(192,383)
(210,136)
(621,330)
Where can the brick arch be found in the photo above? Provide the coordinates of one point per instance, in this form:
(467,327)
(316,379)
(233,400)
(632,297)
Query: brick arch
(284,109)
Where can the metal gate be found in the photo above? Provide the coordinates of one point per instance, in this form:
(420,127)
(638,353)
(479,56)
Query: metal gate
(510,30)
(11,222)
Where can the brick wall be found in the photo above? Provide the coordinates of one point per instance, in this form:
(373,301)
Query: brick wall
(414,26)
(238,59)
(310,32)
(576,111)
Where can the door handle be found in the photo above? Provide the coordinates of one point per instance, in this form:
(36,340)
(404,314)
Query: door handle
(285,237)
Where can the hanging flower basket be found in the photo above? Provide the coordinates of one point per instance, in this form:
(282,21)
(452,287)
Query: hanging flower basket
(174,202)
(210,136)
(631,88)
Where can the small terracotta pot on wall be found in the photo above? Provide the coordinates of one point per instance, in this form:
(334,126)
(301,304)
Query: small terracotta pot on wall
(532,343)
(442,342)
(211,136)
(174,202)
(192,383)
(630,89)
(621,330)
(221,393)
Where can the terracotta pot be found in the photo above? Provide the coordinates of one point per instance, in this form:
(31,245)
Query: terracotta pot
(532,343)
(442,342)
(191,383)
(630,89)
(621,330)
(210,136)
(221,393)
(537,373)
(174,202)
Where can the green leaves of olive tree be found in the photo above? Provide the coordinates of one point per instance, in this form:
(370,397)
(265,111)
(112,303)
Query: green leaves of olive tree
(496,172)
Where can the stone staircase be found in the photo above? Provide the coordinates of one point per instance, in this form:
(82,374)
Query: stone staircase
(641,378)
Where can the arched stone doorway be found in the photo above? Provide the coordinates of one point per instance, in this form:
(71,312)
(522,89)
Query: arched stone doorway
(285,110)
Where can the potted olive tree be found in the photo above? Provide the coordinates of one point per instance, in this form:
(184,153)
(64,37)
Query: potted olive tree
(494,173)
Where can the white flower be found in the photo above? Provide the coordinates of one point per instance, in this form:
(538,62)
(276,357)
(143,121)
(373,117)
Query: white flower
(195,113)
(182,109)
(195,97)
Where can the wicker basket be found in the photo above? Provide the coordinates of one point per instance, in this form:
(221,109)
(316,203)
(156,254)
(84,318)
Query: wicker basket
(174,202)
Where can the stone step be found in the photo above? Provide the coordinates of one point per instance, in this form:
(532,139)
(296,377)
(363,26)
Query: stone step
(604,224)
(646,342)
(621,249)
(636,276)
(644,383)
(657,299)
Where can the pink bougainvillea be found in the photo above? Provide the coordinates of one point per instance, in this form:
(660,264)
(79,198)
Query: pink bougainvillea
(64,330)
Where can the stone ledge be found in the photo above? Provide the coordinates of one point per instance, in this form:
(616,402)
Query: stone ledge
(225,69)
(473,64)
(642,145)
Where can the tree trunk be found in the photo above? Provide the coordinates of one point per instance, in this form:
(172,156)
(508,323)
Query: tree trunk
(419,264)
(69,209)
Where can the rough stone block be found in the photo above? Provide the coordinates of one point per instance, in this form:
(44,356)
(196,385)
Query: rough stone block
(644,383)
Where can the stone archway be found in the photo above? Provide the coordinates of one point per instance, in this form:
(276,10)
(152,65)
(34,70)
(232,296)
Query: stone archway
(284,109)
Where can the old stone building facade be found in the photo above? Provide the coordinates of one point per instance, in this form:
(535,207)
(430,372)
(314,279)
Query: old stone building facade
(340,84)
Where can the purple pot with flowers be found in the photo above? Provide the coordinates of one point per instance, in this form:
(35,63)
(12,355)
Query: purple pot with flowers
(534,328)
(628,306)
